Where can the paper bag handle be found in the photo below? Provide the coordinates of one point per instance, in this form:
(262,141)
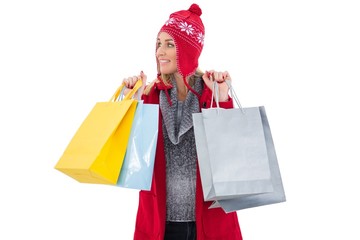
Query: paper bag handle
(129,95)
(215,93)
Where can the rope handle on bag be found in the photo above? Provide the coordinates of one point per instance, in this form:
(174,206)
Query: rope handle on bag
(120,91)
(215,93)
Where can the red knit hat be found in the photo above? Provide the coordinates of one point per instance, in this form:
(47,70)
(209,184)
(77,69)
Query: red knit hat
(187,30)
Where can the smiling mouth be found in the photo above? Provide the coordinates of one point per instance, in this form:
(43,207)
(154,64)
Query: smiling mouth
(164,61)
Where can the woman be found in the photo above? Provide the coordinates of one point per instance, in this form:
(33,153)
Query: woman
(174,208)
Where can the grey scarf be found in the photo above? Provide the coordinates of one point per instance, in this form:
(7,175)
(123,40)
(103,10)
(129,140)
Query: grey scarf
(169,113)
(180,153)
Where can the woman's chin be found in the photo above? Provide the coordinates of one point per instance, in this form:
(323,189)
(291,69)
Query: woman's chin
(167,71)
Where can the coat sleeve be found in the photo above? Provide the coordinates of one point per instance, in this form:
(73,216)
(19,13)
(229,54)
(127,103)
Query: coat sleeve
(205,100)
(149,98)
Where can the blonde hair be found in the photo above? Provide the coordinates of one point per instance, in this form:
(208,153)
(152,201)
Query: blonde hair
(166,79)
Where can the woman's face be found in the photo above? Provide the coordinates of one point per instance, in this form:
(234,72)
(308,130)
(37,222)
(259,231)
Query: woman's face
(166,53)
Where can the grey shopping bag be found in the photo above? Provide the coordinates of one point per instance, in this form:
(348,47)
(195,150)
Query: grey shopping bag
(276,196)
(233,154)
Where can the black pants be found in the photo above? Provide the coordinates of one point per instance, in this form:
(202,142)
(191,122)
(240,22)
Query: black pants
(180,231)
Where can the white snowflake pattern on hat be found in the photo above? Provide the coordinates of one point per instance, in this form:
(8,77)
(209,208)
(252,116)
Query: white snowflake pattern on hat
(190,30)
(170,21)
(200,38)
(185,27)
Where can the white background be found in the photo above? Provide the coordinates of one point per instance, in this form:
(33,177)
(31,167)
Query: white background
(300,59)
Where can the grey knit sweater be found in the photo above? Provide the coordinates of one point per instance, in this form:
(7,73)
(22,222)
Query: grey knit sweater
(180,153)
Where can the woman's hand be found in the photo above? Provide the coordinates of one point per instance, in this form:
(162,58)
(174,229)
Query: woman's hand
(131,81)
(210,76)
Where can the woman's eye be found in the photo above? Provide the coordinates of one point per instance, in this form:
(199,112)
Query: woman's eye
(169,45)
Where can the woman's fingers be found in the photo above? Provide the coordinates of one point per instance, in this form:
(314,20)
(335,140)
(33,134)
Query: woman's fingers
(210,76)
(221,76)
(143,77)
(226,76)
(128,82)
(131,81)
(216,76)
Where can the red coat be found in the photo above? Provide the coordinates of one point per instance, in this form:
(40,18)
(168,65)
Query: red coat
(211,224)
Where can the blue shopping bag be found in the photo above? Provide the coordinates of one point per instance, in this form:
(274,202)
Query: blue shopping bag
(138,166)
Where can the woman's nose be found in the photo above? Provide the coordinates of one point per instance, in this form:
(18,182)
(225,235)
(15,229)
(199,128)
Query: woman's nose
(160,51)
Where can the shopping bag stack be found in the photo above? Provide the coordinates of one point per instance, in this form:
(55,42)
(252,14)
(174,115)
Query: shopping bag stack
(236,155)
(97,151)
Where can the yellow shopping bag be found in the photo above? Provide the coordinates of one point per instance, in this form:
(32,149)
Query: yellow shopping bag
(96,152)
